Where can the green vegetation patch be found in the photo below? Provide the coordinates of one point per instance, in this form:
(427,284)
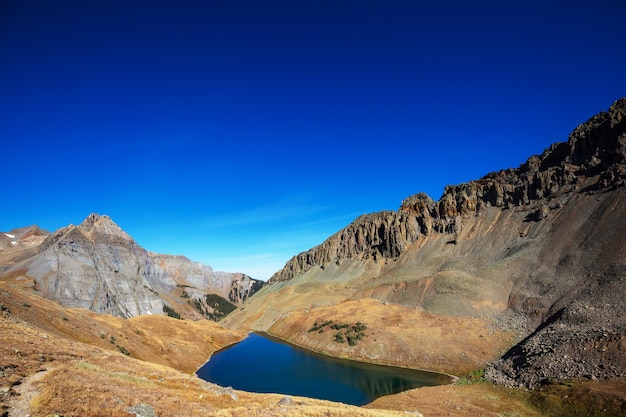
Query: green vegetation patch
(344,332)
(170,311)
(473,377)
(123,350)
(220,306)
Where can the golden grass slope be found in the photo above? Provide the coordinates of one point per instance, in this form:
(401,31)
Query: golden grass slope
(54,362)
(400,336)
(184,345)
(49,375)
(68,362)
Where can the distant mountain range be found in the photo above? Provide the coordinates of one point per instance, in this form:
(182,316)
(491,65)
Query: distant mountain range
(98,266)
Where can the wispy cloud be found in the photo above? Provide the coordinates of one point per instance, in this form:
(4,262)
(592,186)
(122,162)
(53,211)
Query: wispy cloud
(288,208)
(247,258)
(259,239)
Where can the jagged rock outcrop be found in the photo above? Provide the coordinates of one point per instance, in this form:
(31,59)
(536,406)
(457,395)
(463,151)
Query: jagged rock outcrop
(98,266)
(538,250)
(378,235)
(596,148)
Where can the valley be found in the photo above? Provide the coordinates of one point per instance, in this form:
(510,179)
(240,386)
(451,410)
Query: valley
(514,282)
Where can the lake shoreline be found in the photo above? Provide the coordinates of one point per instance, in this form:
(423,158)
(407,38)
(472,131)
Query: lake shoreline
(453,378)
(263,363)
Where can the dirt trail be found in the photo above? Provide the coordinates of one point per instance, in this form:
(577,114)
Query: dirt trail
(19,404)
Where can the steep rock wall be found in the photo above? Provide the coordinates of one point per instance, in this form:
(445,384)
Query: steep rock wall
(537,249)
(98,266)
(596,148)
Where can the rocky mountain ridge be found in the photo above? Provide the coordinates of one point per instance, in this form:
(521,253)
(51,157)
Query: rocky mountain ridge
(539,250)
(596,148)
(98,266)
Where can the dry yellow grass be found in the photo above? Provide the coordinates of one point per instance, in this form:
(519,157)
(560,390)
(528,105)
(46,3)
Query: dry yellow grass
(57,361)
(483,400)
(182,344)
(400,336)
(53,361)
(561,399)
(47,375)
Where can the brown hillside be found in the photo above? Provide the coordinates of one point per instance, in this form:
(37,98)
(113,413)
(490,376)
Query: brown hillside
(55,361)
(538,250)
(181,344)
(400,336)
(46,371)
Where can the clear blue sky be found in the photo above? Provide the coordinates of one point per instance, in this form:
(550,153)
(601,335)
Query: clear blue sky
(240,133)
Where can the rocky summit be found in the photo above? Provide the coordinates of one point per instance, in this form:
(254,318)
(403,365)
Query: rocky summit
(98,266)
(538,250)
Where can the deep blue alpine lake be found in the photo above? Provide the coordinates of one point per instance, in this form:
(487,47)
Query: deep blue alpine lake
(267,365)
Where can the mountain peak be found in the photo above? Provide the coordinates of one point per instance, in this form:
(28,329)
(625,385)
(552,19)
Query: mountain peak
(94,218)
(97,265)
(97,225)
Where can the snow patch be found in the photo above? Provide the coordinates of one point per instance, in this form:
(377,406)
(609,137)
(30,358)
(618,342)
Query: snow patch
(9,235)
(13,243)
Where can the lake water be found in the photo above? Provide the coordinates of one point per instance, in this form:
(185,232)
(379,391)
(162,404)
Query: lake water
(266,365)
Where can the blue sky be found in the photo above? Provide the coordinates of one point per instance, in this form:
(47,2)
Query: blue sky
(240,133)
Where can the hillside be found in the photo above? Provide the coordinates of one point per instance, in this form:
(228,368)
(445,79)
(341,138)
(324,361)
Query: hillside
(74,362)
(514,282)
(537,252)
(98,266)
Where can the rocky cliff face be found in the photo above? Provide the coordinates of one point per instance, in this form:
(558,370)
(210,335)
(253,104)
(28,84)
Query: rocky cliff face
(98,266)
(379,235)
(539,249)
(596,148)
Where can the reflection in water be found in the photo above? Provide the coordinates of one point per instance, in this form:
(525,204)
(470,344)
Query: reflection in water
(262,364)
